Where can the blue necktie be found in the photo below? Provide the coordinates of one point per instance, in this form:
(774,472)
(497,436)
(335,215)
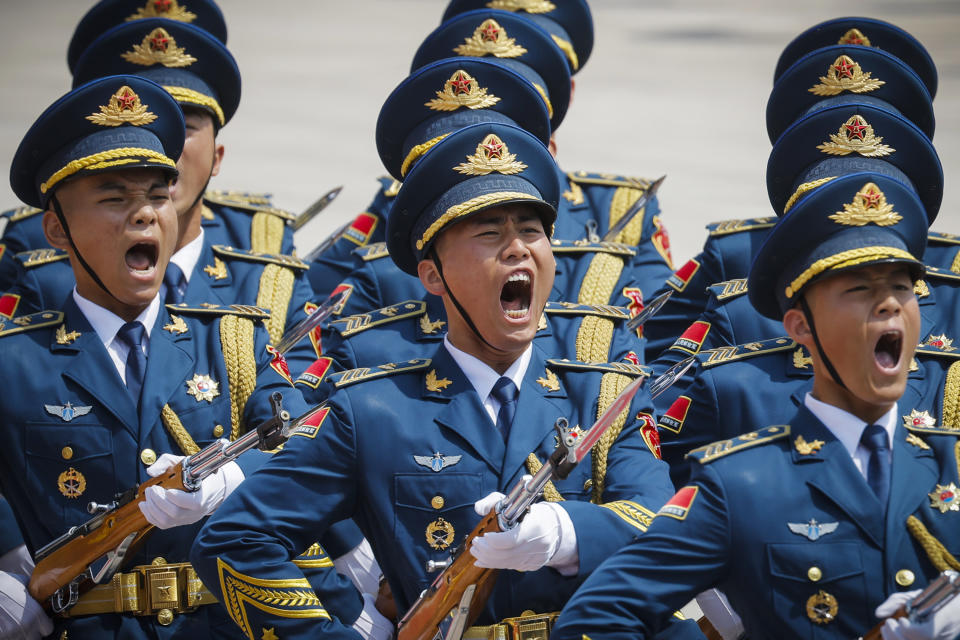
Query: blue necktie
(131,334)
(874,439)
(506,392)
(176,284)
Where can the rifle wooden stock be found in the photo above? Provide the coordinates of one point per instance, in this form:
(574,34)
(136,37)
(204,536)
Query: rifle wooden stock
(874,634)
(423,619)
(70,560)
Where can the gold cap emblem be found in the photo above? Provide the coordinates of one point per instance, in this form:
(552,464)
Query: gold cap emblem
(492,155)
(159,47)
(845,75)
(855,36)
(169,9)
(462,90)
(124,108)
(490,39)
(530,6)
(856,136)
(869,206)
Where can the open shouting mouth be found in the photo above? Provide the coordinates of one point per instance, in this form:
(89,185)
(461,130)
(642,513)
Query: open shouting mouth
(888,350)
(516,294)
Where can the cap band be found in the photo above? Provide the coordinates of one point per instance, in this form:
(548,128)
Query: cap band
(546,98)
(105,160)
(568,50)
(189,96)
(843,260)
(468,207)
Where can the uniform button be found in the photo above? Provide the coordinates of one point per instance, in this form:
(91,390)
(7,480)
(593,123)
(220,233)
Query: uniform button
(814,573)
(148,457)
(437,502)
(218,431)
(159,561)
(165,616)
(905,577)
(66,452)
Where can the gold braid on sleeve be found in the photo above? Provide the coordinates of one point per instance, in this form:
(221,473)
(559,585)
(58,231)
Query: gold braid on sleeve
(951,397)
(266,233)
(236,339)
(276,289)
(177,431)
(939,557)
(611,384)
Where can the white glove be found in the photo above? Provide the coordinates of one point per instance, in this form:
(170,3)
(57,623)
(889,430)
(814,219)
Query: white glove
(943,625)
(528,546)
(167,508)
(21,617)
(361,567)
(17,561)
(721,615)
(371,624)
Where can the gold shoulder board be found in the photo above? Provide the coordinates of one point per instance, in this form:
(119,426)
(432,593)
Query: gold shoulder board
(720,355)
(346,378)
(29,322)
(247,207)
(281,259)
(582,246)
(352,325)
(624,368)
(244,197)
(932,272)
(933,431)
(373,251)
(22,213)
(942,238)
(38,257)
(721,448)
(728,288)
(210,309)
(602,310)
(608,180)
(727,227)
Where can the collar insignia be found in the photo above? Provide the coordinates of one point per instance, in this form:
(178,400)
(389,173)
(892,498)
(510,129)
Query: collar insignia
(845,75)
(551,382)
(66,412)
(177,325)
(436,384)
(919,419)
(159,47)
(217,270)
(62,337)
(169,9)
(462,90)
(492,155)
(429,326)
(941,342)
(855,36)
(916,441)
(805,448)
(813,530)
(490,39)
(530,6)
(801,360)
(203,388)
(856,136)
(945,498)
(869,206)
(124,107)
(575,194)
(437,462)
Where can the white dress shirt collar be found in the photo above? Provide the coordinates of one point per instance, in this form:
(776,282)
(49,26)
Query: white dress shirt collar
(482,377)
(848,428)
(188,256)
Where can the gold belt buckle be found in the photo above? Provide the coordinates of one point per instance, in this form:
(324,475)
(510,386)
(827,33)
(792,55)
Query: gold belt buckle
(530,626)
(166,590)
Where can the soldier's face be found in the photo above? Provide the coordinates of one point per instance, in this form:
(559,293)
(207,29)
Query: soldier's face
(868,322)
(500,267)
(125,227)
(199,161)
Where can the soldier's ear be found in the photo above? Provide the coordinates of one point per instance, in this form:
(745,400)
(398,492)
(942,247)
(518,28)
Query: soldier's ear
(54,231)
(430,277)
(218,151)
(795,322)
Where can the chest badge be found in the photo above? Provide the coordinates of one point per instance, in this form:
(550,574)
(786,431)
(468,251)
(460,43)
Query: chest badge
(919,419)
(437,462)
(66,412)
(203,388)
(440,534)
(945,498)
(71,483)
(822,607)
(812,530)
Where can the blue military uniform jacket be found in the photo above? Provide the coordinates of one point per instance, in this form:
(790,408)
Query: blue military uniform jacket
(74,434)
(406,450)
(781,520)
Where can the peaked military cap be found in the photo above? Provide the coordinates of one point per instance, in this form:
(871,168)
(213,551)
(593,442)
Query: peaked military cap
(568,22)
(478,167)
(449,94)
(849,138)
(850,222)
(188,62)
(866,32)
(511,40)
(110,124)
(107,14)
(830,72)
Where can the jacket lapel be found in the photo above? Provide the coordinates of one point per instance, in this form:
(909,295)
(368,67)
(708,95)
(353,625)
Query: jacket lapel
(913,475)
(168,367)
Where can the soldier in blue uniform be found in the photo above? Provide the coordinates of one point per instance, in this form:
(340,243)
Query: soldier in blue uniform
(478,239)
(844,499)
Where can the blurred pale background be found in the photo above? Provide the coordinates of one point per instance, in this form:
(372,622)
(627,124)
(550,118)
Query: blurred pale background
(672,87)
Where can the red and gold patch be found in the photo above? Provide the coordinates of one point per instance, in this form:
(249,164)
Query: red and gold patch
(279,364)
(692,339)
(635,304)
(682,276)
(311,426)
(673,418)
(361,228)
(314,335)
(679,505)
(343,303)
(8,303)
(661,241)
(651,436)
(314,374)
(632,358)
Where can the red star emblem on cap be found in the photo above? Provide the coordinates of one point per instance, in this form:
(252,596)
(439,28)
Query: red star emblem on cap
(490,32)
(127,100)
(159,43)
(856,129)
(162,6)
(494,149)
(460,84)
(871,199)
(844,68)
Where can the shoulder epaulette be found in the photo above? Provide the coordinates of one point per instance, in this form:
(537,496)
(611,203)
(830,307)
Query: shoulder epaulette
(727,227)
(721,448)
(728,288)
(719,355)
(241,205)
(942,238)
(258,256)
(625,368)
(583,246)
(29,322)
(352,376)
(21,213)
(933,430)
(941,274)
(372,251)
(37,257)
(603,310)
(608,179)
(389,186)
(210,309)
(354,324)
(244,197)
